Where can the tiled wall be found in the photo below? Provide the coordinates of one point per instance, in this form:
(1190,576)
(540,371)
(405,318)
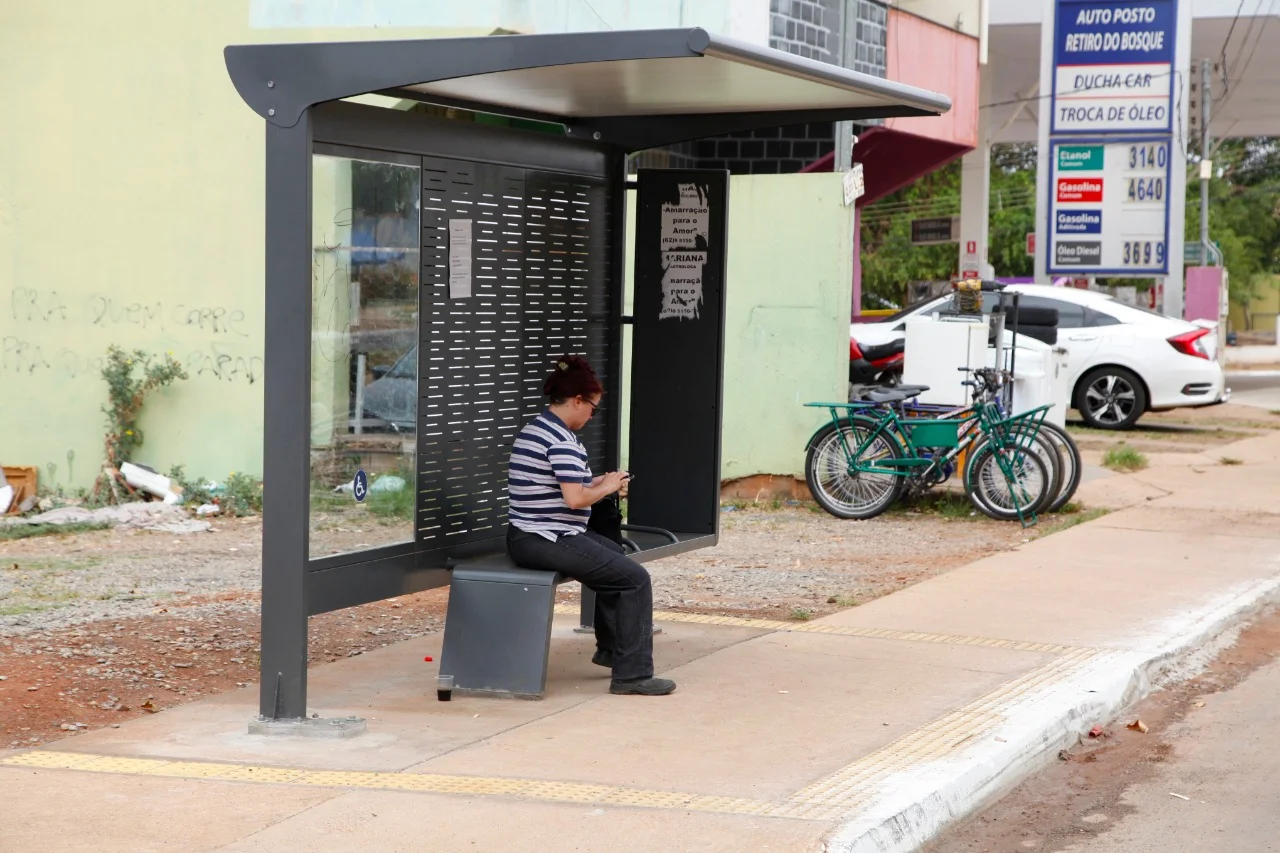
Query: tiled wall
(808,28)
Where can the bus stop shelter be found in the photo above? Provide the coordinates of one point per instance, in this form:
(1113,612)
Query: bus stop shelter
(465,256)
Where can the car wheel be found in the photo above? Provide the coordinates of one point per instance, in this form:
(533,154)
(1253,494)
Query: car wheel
(1111,398)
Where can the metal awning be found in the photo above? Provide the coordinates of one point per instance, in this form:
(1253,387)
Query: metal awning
(637,89)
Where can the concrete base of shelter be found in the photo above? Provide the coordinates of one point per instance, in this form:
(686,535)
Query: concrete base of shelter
(867,730)
(329,728)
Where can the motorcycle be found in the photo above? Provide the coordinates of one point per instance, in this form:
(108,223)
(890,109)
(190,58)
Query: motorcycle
(876,366)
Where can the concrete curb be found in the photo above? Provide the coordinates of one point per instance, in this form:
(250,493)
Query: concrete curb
(914,806)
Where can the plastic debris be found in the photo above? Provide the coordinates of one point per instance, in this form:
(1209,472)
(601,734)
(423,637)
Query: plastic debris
(151,482)
(1096,731)
(1137,726)
(208,509)
(1180,796)
(388,483)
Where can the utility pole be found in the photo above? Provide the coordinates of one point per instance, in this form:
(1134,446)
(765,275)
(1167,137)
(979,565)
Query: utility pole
(1207,249)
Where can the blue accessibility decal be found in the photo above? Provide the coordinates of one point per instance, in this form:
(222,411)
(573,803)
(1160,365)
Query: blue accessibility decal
(360,486)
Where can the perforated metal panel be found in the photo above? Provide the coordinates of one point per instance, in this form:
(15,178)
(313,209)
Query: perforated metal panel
(540,258)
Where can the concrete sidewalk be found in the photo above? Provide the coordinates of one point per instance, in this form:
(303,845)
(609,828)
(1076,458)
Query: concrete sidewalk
(865,730)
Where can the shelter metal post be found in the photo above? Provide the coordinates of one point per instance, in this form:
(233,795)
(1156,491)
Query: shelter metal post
(282,693)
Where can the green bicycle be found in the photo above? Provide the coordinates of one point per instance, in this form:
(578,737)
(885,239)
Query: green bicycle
(858,465)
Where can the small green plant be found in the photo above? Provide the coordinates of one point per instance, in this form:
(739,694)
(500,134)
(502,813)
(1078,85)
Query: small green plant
(194,490)
(393,503)
(130,377)
(1124,458)
(26,531)
(801,614)
(1231,460)
(843,601)
(950,505)
(241,495)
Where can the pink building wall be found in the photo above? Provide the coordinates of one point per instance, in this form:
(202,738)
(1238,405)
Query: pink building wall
(931,56)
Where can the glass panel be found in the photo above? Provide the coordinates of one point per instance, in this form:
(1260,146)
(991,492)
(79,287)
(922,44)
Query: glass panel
(366,251)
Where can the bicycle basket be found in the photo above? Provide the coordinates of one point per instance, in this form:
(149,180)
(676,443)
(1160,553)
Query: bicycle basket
(926,432)
(1018,432)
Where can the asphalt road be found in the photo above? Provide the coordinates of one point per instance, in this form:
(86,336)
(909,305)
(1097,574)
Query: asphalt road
(1225,763)
(1259,388)
(1206,778)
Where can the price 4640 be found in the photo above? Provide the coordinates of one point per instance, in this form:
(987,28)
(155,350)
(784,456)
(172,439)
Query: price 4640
(1146,189)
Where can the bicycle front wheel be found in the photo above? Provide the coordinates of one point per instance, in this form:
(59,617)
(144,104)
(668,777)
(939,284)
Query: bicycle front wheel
(836,485)
(1007,497)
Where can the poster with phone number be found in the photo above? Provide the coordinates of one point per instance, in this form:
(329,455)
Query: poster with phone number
(1109,206)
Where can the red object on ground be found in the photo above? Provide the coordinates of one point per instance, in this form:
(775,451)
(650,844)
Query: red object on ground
(1096,731)
(427,659)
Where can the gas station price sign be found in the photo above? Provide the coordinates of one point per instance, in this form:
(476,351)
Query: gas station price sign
(1109,206)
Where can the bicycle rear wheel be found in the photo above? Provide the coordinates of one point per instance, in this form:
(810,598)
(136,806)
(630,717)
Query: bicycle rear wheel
(1070,464)
(842,491)
(992,492)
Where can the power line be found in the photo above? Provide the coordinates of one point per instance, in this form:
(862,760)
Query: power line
(1261,30)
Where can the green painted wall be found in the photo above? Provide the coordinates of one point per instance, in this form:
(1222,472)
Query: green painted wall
(787,317)
(131,213)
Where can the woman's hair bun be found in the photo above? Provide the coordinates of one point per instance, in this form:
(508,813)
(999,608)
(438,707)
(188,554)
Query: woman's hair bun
(571,376)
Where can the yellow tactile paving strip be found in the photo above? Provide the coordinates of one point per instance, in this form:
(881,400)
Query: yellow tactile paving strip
(829,799)
(528,789)
(843,631)
(852,785)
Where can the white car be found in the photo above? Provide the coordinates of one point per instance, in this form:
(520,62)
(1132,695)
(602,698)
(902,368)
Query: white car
(1124,361)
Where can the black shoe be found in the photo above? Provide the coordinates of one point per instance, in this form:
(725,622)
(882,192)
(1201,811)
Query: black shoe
(603,657)
(642,687)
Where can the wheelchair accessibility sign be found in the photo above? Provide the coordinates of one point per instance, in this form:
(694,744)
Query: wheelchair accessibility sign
(360,486)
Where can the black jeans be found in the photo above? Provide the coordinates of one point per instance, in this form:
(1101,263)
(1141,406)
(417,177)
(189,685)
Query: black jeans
(624,594)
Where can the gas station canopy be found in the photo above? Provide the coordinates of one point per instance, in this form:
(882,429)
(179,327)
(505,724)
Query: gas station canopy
(1244,90)
(637,89)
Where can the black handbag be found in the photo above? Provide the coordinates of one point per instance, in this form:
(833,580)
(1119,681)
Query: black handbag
(606,518)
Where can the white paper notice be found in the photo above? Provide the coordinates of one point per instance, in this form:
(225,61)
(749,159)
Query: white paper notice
(682,225)
(459,258)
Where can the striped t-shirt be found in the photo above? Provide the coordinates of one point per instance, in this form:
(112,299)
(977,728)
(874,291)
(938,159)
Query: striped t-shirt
(546,453)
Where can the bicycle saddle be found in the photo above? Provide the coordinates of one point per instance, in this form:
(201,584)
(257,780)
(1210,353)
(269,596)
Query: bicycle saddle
(895,395)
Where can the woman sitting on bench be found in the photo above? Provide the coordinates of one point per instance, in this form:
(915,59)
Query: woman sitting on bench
(551,491)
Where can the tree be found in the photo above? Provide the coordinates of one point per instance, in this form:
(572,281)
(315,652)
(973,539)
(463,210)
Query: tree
(889,261)
(1244,215)
(1244,219)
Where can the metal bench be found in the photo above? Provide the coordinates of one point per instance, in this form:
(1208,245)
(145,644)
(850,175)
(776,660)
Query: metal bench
(497,630)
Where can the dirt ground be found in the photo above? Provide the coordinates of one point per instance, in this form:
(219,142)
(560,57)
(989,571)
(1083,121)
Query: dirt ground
(1082,795)
(99,627)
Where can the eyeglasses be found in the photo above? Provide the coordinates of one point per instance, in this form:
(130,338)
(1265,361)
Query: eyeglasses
(593,406)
